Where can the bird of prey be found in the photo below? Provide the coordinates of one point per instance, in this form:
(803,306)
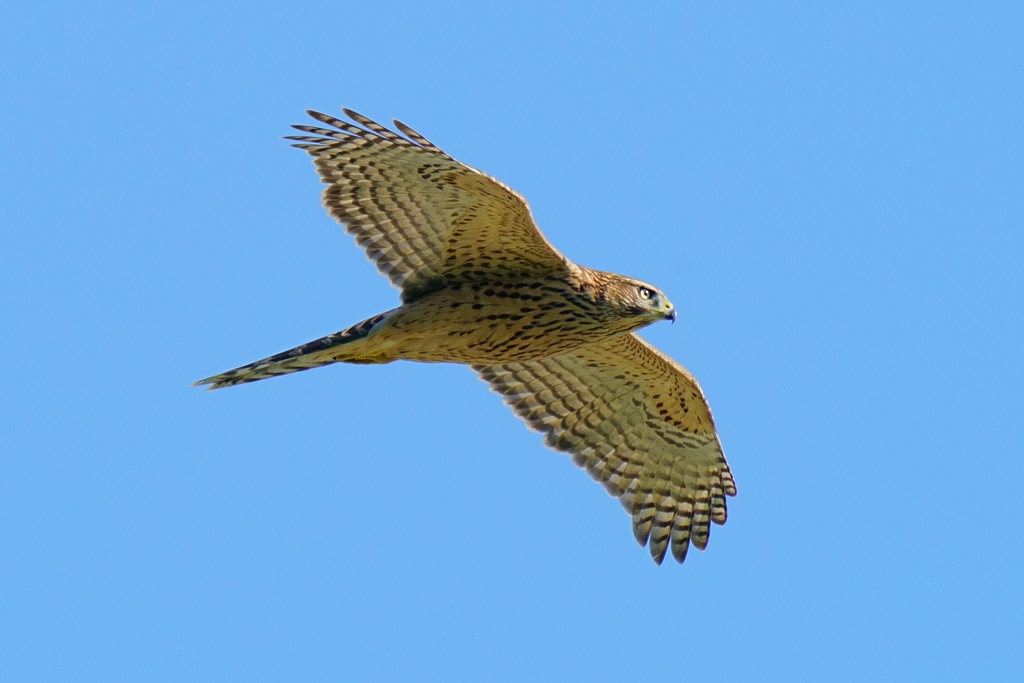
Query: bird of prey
(480,285)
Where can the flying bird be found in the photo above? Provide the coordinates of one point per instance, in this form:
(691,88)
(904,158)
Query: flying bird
(480,285)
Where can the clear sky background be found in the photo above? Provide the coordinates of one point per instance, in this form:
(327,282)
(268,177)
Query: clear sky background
(831,193)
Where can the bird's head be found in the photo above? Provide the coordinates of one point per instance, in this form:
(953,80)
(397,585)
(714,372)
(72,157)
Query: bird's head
(640,300)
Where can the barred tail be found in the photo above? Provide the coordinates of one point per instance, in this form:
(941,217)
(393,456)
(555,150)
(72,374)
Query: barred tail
(323,351)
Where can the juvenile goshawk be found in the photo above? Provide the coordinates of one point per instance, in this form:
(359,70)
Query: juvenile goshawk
(480,285)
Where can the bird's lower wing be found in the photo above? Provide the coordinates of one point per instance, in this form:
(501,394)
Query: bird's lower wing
(639,424)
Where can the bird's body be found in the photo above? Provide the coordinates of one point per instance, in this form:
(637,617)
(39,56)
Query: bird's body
(481,286)
(504,318)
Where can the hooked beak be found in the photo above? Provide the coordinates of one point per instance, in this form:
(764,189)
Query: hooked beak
(671,315)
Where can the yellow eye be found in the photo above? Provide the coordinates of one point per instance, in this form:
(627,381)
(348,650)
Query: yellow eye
(645,293)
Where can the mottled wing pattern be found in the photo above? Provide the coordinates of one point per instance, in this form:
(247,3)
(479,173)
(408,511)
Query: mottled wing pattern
(422,216)
(638,423)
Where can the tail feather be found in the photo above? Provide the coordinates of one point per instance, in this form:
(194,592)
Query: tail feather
(313,354)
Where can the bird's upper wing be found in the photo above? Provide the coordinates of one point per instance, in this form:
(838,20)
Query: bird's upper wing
(422,216)
(638,422)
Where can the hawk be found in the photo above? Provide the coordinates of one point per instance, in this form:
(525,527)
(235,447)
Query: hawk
(480,285)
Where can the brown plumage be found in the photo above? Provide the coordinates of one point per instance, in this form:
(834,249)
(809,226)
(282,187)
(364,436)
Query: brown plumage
(481,286)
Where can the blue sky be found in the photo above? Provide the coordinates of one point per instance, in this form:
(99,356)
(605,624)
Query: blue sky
(829,192)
